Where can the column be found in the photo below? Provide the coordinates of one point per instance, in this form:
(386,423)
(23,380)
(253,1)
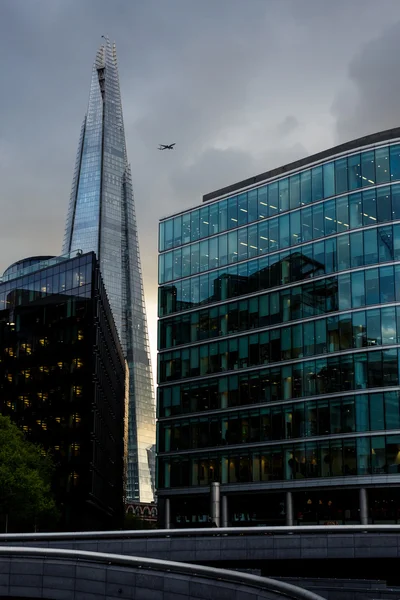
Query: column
(363,506)
(215,494)
(167,514)
(289,509)
(224,512)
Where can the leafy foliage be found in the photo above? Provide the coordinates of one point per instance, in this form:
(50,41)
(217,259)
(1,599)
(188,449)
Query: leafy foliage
(25,480)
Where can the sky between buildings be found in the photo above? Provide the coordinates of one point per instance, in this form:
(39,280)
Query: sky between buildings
(241,86)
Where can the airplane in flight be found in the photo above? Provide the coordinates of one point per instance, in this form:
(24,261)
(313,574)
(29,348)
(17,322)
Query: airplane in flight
(166,146)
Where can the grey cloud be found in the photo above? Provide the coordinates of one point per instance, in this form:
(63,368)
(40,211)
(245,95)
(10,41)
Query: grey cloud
(369,102)
(241,87)
(288,125)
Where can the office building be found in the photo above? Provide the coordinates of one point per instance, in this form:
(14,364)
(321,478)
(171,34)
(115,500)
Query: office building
(101,219)
(62,381)
(279,304)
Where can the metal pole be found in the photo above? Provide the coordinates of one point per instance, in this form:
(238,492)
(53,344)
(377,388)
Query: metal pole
(289,509)
(167,509)
(224,515)
(363,506)
(215,495)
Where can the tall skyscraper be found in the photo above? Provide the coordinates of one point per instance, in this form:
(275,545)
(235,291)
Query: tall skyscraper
(101,218)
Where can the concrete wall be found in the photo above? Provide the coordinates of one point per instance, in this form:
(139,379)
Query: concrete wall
(219,547)
(46,575)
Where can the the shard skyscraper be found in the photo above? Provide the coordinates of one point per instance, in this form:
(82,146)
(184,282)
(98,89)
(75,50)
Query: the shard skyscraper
(101,218)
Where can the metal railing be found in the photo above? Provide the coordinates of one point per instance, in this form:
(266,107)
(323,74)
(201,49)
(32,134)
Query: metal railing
(200,532)
(280,588)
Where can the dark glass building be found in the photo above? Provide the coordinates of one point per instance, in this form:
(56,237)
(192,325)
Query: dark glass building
(278,372)
(62,380)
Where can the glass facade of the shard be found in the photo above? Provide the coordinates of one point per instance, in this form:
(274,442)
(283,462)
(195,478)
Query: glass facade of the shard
(101,218)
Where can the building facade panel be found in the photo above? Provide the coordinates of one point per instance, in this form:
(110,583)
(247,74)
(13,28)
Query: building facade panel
(279,330)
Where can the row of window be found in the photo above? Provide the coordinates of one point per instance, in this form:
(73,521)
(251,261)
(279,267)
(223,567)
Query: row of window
(363,412)
(351,290)
(375,327)
(376,455)
(360,248)
(324,219)
(334,178)
(76,280)
(327,375)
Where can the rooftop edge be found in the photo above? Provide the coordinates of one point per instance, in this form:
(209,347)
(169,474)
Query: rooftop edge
(366,140)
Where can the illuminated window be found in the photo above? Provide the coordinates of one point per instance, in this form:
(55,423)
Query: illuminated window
(78,363)
(9,351)
(77,390)
(76,418)
(43,341)
(27,348)
(9,377)
(58,419)
(26,373)
(56,448)
(44,369)
(80,335)
(75,449)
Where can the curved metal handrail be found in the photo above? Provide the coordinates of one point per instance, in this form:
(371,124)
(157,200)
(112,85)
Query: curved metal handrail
(262,583)
(200,532)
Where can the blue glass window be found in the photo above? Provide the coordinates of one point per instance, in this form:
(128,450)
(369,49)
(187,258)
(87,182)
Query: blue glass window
(341,176)
(223,215)
(284,236)
(395,162)
(329,179)
(223,250)
(306,224)
(382,165)
(273,199)
(204,222)
(185,261)
(273,234)
(214,217)
(316,184)
(357,249)
(252,206)
(368,168)
(283,195)
(169,233)
(356,211)
(294,191)
(186,228)
(330,217)
(232,247)
(369,207)
(305,187)
(232,213)
(371,247)
(195,258)
(342,213)
(318,221)
(242,212)
(242,244)
(354,164)
(295,229)
(263,203)
(194,225)
(161,236)
(177,231)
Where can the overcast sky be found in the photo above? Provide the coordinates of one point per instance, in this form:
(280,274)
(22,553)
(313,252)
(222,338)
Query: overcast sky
(241,86)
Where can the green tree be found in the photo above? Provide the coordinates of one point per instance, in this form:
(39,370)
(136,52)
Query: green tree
(26,499)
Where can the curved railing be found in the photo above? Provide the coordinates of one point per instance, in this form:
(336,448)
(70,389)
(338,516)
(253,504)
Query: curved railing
(201,532)
(261,583)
